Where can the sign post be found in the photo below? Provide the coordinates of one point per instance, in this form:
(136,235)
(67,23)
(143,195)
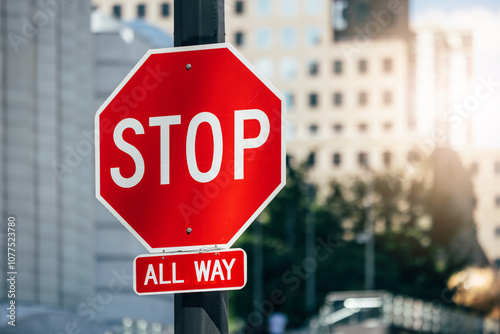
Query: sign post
(200,22)
(190,148)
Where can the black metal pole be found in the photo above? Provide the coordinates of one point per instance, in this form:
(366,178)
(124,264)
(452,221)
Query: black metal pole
(201,313)
(200,22)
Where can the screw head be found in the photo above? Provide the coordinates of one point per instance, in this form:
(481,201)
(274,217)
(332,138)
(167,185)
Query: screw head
(189,230)
(188,67)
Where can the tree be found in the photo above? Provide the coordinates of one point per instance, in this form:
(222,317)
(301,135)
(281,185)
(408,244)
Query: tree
(407,257)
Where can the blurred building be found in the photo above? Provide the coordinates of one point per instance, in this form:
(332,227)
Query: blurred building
(46,177)
(117,48)
(443,72)
(345,77)
(484,170)
(345,74)
(46,180)
(363,90)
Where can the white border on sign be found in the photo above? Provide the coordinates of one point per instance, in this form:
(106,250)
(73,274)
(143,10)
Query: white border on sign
(262,78)
(195,290)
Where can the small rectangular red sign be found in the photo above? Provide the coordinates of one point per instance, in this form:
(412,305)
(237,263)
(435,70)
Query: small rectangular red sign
(190,272)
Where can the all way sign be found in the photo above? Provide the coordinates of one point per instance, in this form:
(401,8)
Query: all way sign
(190,272)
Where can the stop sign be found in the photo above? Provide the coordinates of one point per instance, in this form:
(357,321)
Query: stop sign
(190,148)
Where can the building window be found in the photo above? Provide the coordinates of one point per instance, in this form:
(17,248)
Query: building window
(313,68)
(337,67)
(337,128)
(363,66)
(288,68)
(289,37)
(141,11)
(497,201)
(264,38)
(265,66)
(387,126)
(387,98)
(497,232)
(117,11)
(311,159)
(497,167)
(387,159)
(387,65)
(362,13)
(337,159)
(313,7)
(239,38)
(363,159)
(473,168)
(165,9)
(313,129)
(313,35)
(363,127)
(264,7)
(313,100)
(290,101)
(363,98)
(413,156)
(239,7)
(289,7)
(497,264)
(337,99)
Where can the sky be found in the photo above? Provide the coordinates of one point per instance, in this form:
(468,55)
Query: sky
(483,18)
(418,7)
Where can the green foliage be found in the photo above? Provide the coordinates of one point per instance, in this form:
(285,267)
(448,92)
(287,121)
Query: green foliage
(405,255)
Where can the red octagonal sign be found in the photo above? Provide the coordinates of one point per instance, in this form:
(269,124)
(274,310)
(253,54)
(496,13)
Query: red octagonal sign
(190,148)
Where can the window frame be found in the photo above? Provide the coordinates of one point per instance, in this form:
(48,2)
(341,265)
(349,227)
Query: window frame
(239,7)
(363,159)
(141,10)
(166,10)
(338,128)
(340,69)
(337,159)
(338,99)
(388,65)
(313,68)
(363,98)
(313,100)
(239,38)
(388,98)
(117,11)
(387,158)
(363,66)
(313,129)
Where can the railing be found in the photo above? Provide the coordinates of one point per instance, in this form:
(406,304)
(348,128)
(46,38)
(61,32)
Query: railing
(383,310)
